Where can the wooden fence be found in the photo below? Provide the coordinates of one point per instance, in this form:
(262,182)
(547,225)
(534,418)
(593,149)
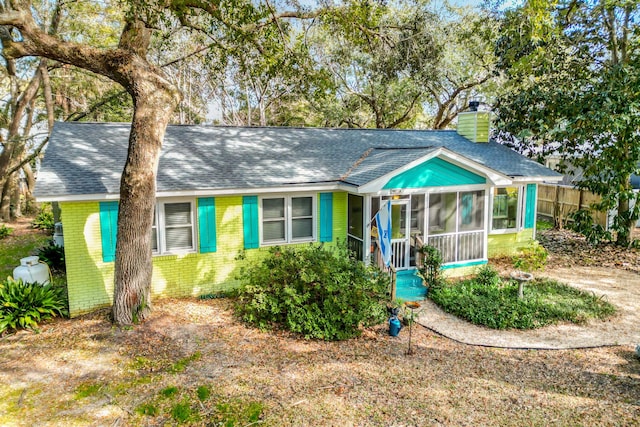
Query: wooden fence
(556,202)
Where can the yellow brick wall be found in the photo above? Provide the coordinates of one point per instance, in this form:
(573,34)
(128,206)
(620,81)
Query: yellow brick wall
(90,281)
(509,244)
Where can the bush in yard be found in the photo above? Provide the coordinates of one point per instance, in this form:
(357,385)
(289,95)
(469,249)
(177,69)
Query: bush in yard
(4,231)
(315,291)
(497,305)
(488,276)
(431,262)
(531,258)
(52,255)
(24,305)
(583,223)
(44,219)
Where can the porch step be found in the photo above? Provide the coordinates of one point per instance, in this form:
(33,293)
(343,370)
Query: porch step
(409,286)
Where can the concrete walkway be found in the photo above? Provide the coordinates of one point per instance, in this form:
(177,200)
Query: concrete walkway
(619,287)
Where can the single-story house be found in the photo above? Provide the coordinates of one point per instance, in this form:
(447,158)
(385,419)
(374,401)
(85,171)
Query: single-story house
(224,190)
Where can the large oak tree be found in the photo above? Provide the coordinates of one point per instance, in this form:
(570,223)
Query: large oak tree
(573,87)
(155,99)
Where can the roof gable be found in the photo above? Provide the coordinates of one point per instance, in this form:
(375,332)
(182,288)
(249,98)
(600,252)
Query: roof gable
(434,172)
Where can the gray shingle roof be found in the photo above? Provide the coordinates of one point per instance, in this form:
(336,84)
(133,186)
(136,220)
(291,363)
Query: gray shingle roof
(87,158)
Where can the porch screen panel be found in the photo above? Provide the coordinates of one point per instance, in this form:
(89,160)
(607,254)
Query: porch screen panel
(472,210)
(417,214)
(456,225)
(355,222)
(442,213)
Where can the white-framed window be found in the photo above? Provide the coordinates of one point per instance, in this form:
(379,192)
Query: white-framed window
(288,219)
(506,208)
(173,228)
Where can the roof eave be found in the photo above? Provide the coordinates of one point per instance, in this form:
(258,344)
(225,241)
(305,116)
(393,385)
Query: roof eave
(329,186)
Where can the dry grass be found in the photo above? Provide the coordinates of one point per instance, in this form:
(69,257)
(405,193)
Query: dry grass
(85,372)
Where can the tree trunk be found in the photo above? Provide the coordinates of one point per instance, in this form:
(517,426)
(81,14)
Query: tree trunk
(30,201)
(155,100)
(626,224)
(5,200)
(16,196)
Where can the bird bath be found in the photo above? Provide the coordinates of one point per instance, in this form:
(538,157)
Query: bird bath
(521,277)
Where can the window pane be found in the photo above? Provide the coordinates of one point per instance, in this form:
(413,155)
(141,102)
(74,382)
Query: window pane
(154,240)
(179,238)
(272,208)
(177,213)
(505,208)
(301,206)
(273,231)
(302,228)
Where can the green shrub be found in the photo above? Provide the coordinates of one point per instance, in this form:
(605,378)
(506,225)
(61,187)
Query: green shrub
(24,305)
(431,261)
(487,276)
(583,224)
(53,255)
(5,231)
(314,291)
(497,306)
(44,219)
(531,258)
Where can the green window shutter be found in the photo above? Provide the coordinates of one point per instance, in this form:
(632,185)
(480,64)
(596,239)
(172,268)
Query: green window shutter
(530,208)
(108,229)
(250,221)
(326,217)
(207,224)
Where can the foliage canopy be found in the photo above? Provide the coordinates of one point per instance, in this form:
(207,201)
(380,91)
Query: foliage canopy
(573,88)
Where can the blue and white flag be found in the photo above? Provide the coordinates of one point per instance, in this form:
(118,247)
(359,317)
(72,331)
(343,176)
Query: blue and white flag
(383,219)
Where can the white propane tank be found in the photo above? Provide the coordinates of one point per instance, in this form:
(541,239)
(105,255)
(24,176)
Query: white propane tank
(58,238)
(32,271)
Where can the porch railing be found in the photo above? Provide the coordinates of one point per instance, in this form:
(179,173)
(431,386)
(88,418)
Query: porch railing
(356,246)
(459,246)
(399,253)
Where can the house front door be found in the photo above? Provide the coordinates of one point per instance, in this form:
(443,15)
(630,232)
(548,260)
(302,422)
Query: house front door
(400,232)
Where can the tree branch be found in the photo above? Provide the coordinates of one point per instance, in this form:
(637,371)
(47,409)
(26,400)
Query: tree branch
(405,116)
(30,157)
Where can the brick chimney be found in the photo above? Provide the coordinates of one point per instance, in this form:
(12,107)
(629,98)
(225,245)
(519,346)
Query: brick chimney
(473,124)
